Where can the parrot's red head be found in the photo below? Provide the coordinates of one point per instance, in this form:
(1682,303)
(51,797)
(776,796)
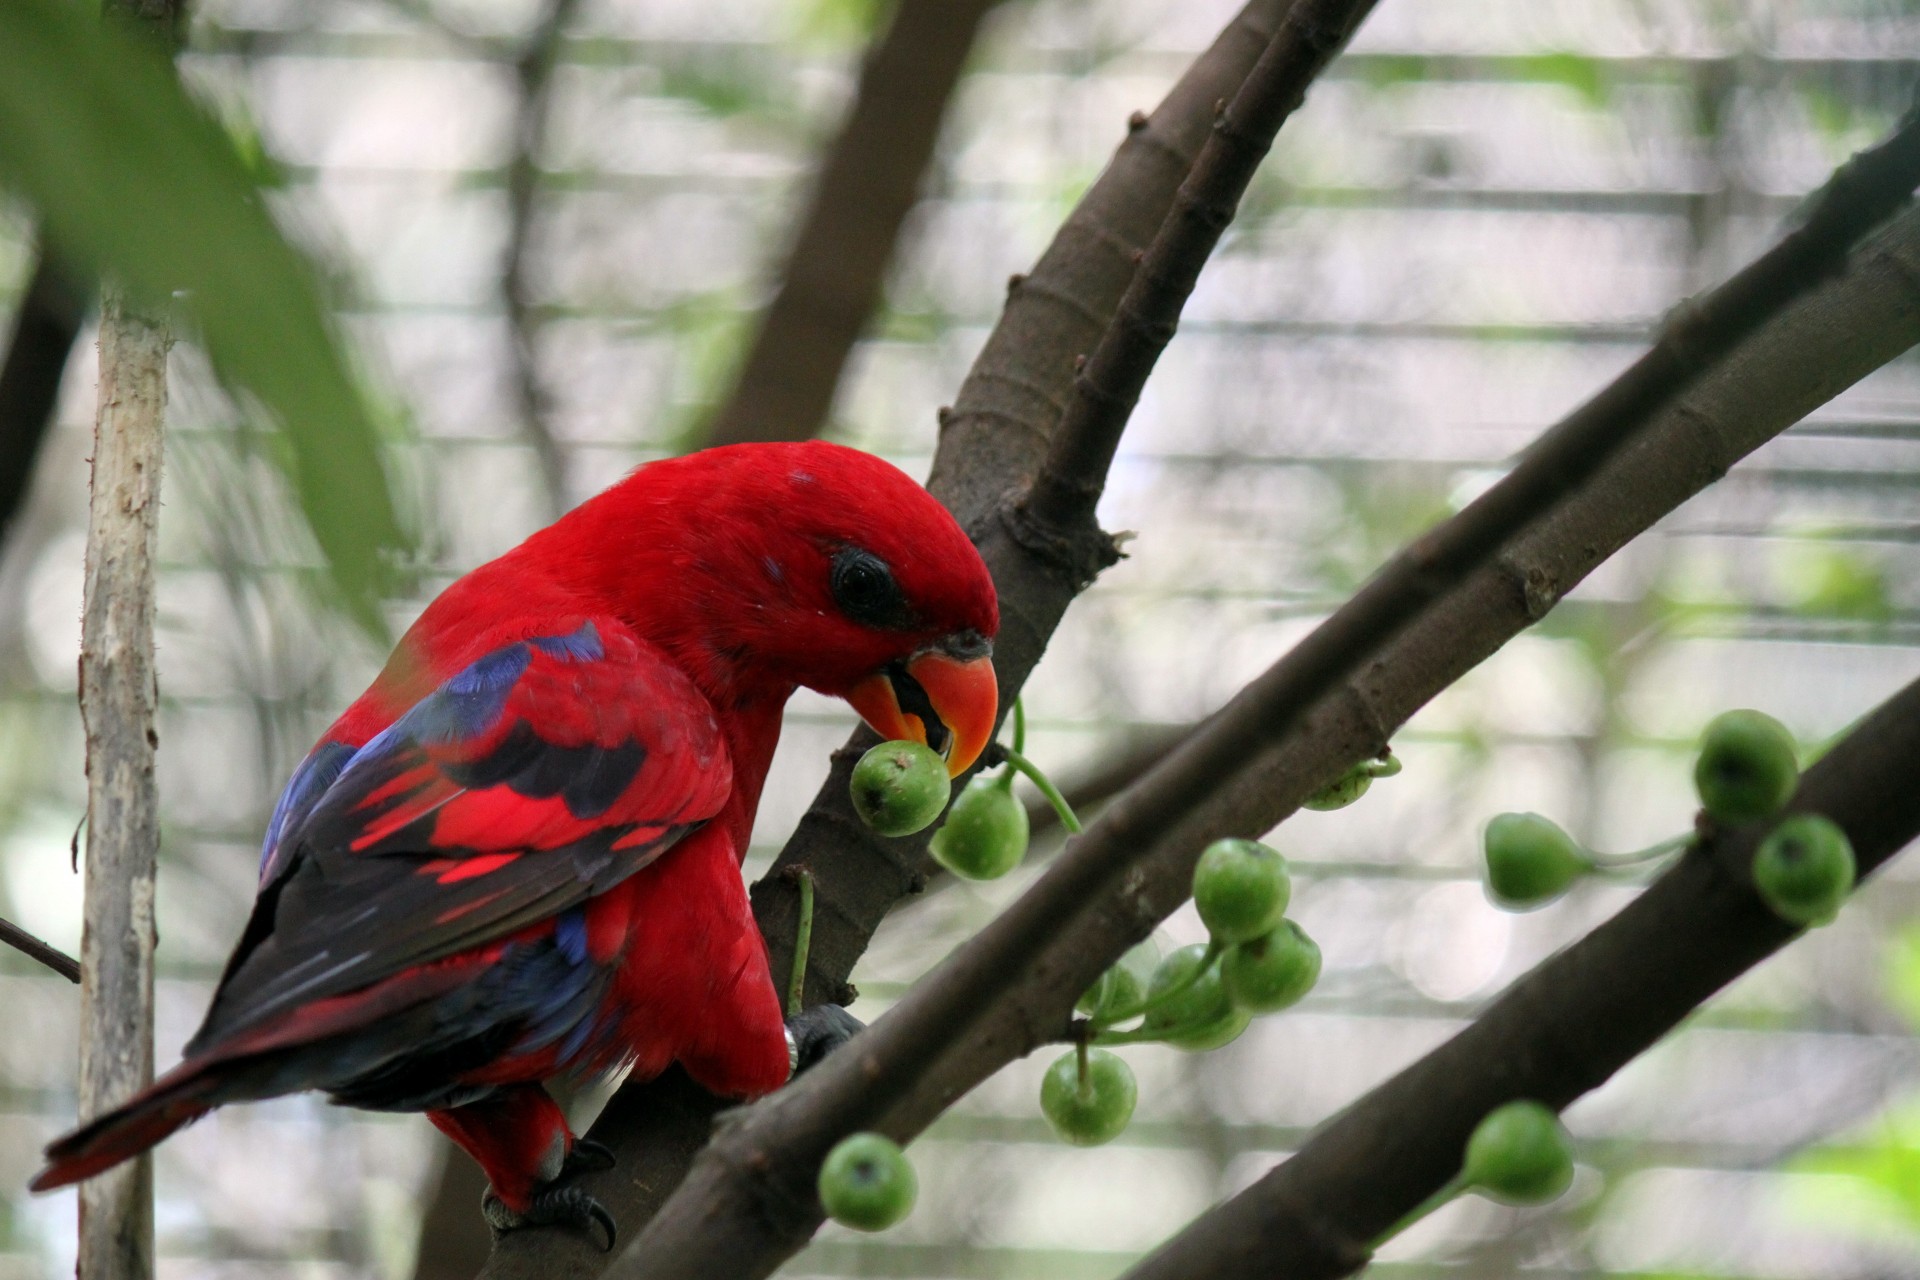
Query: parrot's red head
(766,566)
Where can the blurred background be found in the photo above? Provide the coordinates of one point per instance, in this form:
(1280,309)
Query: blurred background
(1477,220)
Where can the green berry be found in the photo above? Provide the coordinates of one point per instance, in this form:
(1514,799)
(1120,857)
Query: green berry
(1746,768)
(1119,991)
(900,787)
(1530,860)
(1090,1112)
(985,834)
(1804,869)
(1202,1015)
(1241,889)
(1341,792)
(867,1183)
(1270,973)
(1520,1154)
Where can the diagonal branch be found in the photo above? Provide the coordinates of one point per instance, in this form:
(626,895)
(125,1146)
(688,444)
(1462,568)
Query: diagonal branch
(748,1199)
(870,181)
(990,446)
(1107,388)
(734,1219)
(1556,1034)
(45,328)
(1810,353)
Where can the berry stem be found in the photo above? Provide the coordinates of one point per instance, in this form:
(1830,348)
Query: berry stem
(802,943)
(1085,1085)
(1385,767)
(1425,1207)
(1040,780)
(1609,861)
(1019,724)
(1102,1025)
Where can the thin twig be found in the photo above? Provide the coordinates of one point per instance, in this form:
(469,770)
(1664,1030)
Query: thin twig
(46,953)
(533,70)
(723,1210)
(1559,1032)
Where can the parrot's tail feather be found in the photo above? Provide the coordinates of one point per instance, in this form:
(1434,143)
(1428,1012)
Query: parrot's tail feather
(175,1100)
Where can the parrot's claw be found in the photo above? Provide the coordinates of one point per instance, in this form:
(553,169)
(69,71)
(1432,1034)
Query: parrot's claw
(814,1033)
(588,1156)
(553,1206)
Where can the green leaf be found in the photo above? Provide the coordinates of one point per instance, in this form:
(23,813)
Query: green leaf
(132,176)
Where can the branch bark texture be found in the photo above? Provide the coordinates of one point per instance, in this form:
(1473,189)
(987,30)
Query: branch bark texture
(748,1199)
(990,444)
(117,700)
(1106,390)
(1558,1033)
(45,328)
(833,277)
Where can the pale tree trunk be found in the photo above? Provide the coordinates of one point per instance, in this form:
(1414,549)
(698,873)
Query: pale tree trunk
(117,697)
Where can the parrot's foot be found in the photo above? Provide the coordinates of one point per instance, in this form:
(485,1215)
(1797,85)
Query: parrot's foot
(814,1033)
(588,1156)
(553,1206)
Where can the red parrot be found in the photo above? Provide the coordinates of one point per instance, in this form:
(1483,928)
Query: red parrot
(517,854)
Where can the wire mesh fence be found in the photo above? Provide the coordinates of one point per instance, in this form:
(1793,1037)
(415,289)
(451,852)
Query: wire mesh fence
(1478,218)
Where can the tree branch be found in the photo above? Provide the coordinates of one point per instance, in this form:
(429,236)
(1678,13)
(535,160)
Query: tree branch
(870,181)
(119,696)
(748,1199)
(117,702)
(51,956)
(729,1218)
(44,330)
(1558,1033)
(1071,480)
(533,70)
(1809,354)
(1009,402)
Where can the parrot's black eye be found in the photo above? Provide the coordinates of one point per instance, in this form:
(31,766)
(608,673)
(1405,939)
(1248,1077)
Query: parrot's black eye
(864,589)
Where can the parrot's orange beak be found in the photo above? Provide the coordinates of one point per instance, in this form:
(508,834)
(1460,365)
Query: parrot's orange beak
(942,697)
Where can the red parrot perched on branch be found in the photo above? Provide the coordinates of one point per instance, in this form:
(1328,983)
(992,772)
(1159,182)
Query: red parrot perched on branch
(517,855)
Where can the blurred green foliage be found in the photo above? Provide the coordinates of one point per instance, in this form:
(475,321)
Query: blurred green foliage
(131,175)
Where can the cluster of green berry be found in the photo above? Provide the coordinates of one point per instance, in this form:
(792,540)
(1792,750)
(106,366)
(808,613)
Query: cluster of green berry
(1197,997)
(901,787)
(1746,772)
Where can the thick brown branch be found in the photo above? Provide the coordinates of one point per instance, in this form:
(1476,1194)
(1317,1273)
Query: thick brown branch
(44,331)
(51,956)
(834,274)
(533,71)
(1008,402)
(728,1218)
(747,1201)
(1068,487)
(1556,1034)
(1812,352)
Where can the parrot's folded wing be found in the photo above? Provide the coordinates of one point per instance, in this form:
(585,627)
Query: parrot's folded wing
(545,772)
